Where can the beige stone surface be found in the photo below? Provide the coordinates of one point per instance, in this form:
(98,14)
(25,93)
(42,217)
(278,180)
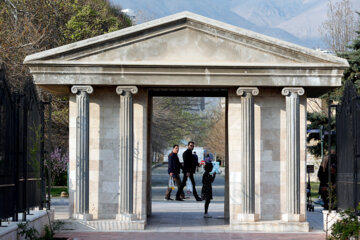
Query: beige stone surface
(270,103)
(270,154)
(140,152)
(104,152)
(163,51)
(187,51)
(234,142)
(270,157)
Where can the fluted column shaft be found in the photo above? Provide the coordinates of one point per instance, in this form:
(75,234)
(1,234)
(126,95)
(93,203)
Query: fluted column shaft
(247,150)
(293,148)
(82,149)
(126,149)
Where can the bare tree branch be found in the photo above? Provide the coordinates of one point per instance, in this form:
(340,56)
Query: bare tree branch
(339,28)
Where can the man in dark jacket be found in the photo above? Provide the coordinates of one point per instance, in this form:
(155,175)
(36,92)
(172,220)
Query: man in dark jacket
(174,167)
(189,169)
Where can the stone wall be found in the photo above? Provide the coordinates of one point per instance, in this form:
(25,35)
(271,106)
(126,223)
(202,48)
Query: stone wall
(104,152)
(270,155)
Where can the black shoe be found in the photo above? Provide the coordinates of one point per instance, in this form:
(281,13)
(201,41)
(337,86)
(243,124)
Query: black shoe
(198,199)
(168,199)
(179,199)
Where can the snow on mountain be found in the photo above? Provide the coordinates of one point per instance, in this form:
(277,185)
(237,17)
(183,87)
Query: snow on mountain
(294,21)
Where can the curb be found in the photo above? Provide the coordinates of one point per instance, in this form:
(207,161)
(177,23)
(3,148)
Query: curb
(157,165)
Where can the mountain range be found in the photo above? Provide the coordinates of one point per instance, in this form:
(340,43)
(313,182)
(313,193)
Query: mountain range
(296,21)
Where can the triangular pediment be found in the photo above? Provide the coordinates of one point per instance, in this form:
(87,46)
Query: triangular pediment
(181,46)
(184,38)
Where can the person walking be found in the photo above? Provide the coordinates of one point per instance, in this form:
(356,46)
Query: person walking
(208,158)
(196,160)
(188,170)
(206,191)
(324,188)
(174,167)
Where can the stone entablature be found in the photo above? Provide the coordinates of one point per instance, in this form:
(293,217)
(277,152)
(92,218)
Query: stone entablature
(208,52)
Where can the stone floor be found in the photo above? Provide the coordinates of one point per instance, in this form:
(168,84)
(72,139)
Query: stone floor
(184,220)
(190,236)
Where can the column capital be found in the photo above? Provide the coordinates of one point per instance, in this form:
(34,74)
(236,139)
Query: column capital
(121,89)
(80,88)
(287,90)
(242,91)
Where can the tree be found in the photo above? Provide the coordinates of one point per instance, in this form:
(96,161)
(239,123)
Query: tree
(353,57)
(175,119)
(350,74)
(94,18)
(318,119)
(215,140)
(58,163)
(29,26)
(339,28)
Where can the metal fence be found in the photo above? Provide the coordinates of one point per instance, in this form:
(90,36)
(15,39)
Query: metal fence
(348,149)
(22,178)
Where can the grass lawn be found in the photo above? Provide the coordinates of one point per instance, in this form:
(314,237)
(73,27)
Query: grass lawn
(314,190)
(56,190)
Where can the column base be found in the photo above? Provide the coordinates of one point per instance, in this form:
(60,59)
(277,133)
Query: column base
(83,216)
(292,218)
(248,217)
(125,217)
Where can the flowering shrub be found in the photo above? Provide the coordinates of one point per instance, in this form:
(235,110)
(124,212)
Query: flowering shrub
(58,163)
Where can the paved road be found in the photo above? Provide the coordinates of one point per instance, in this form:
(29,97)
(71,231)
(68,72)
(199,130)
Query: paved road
(160,179)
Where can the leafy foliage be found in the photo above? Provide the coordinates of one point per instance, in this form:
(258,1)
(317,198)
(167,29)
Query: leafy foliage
(347,227)
(316,120)
(29,26)
(350,74)
(353,72)
(353,57)
(27,232)
(58,163)
(174,120)
(94,18)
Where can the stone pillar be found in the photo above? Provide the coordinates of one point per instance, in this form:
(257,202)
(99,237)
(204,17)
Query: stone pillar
(126,153)
(247,153)
(293,152)
(82,152)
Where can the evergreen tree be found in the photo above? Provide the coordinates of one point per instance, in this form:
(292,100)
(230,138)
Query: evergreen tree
(350,74)
(353,57)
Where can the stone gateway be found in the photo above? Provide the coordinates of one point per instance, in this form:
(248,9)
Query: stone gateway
(111,79)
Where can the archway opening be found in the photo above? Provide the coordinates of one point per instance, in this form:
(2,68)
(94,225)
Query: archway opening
(178,117)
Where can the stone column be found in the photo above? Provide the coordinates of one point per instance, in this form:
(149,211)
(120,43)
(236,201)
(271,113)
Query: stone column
(293,151)
(126,153)
(82,152)
(247,153)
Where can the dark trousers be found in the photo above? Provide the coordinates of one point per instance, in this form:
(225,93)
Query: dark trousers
(181,188)
(177,181)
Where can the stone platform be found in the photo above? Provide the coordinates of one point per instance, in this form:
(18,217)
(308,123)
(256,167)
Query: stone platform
(272,226)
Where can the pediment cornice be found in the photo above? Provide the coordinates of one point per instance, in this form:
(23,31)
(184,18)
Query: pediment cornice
(284,52)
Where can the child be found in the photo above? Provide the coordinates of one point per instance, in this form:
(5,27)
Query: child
(206,191)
